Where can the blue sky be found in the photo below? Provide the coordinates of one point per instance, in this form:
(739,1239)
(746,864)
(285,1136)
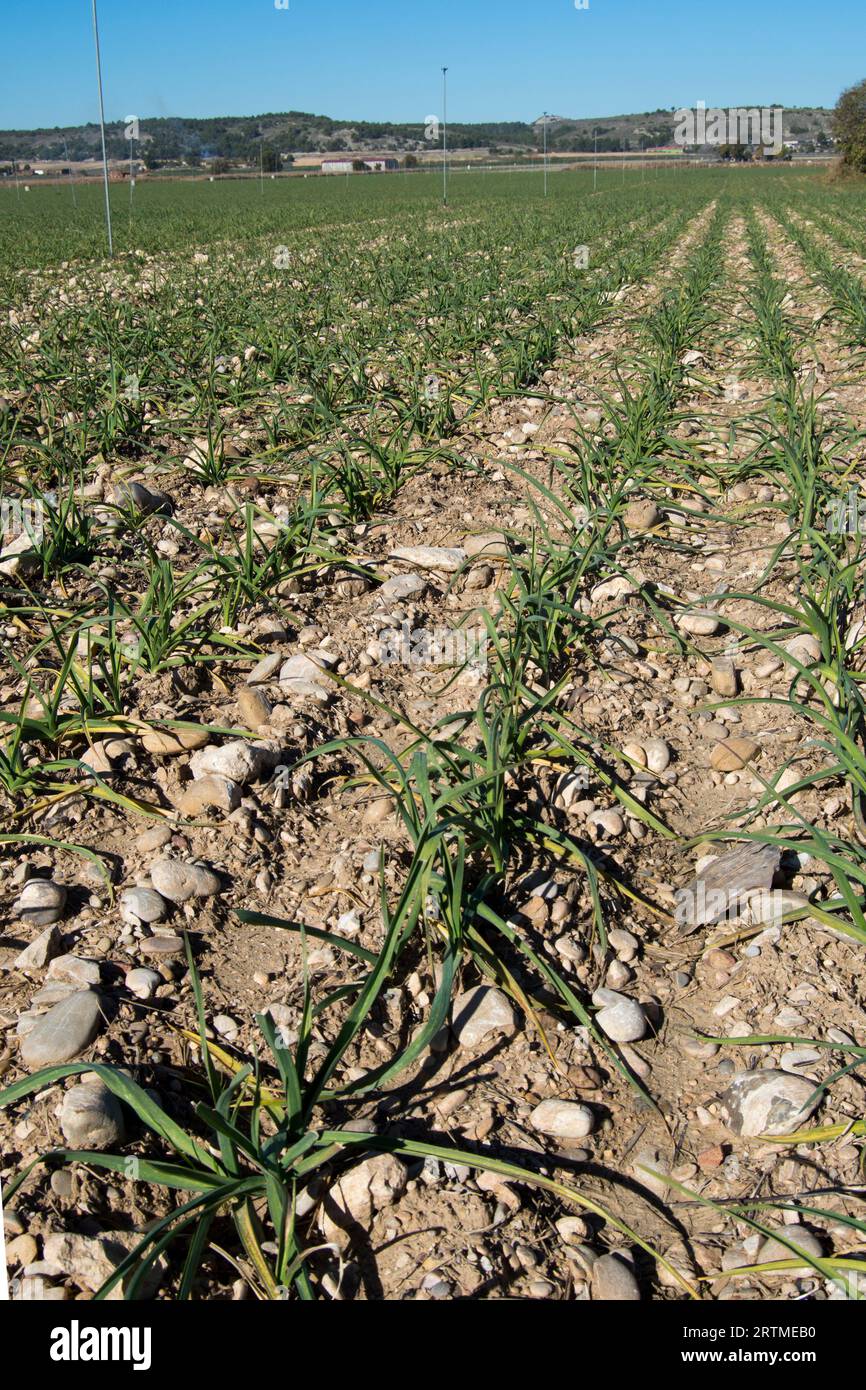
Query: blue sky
(380,59)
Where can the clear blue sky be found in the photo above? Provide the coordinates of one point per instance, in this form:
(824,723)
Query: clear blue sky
(380,59)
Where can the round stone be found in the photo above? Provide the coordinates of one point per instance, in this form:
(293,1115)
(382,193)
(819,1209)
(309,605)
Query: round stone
(143,983)
(91,1117)
(563,1119)
(480,1015)
(41,902)
(613,1281)
(767,1102)
(179,882)
(621,1019)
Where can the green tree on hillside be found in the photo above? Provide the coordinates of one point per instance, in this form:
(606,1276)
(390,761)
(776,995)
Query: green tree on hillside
(849,127)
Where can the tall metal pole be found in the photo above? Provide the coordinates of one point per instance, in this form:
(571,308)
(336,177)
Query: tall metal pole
(445,136)
(595,163)
(545,154)
(102,129)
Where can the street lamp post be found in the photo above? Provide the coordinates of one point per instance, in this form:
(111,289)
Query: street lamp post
(545,154)
(445,136)
(102,129)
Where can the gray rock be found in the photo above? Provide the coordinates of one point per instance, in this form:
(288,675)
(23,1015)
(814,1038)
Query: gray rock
(139,905)
(618,974)
(41,951)
(241,762)
(83,973)
(624,943)
(724,883)
(179,882)
(161,946)
(401,588)
(64,1032)
(19,557)
(480,1014)
(445,559)
(304,676)
(799,1057)
(266,669)
(838,1035)
(563,1119)
(699,624)
(359,1194)
(144,983)
(51,993)
(91,1117)
(766,1102)
(89,1260)
(41,902)
(805,1240)
(613,1281)
(620,1018)
(141,499)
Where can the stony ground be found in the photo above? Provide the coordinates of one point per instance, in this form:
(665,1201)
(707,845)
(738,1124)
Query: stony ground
(101,974)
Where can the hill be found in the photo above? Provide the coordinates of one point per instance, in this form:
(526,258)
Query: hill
(239,138)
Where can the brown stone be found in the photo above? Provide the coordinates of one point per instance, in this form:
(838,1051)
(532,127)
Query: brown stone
(168,743)
(733,754)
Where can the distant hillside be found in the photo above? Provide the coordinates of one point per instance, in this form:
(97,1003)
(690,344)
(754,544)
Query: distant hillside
(240,138)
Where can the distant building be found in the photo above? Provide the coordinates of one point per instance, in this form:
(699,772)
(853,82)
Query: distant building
(345,163)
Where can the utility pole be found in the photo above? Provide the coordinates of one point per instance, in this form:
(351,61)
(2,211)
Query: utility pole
(595,162)
(545,154)
(102,129)
(445,137)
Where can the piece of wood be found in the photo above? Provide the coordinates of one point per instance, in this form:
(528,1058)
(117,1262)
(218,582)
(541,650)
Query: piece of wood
(724,884)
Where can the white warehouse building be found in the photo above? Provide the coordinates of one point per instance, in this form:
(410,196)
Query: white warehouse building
(345,163)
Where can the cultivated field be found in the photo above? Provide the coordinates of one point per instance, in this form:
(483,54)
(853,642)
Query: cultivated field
(400,606)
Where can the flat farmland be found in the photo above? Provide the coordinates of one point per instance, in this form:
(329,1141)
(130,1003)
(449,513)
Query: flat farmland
(432,760)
